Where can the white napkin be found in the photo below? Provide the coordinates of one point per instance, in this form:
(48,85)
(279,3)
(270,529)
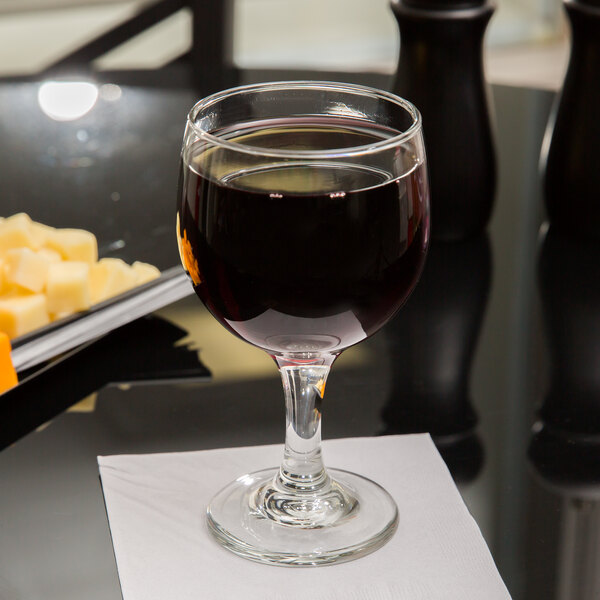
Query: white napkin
(156,505)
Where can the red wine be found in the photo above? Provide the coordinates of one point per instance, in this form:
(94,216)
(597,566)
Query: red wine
(305,256)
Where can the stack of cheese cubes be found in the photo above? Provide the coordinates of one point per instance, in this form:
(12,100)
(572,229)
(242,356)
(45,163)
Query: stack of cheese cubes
(48,273)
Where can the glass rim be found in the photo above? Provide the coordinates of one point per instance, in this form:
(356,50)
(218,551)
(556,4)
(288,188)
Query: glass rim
(389,143)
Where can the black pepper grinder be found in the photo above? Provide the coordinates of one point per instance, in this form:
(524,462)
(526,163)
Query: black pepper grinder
(441,71)
(572,176)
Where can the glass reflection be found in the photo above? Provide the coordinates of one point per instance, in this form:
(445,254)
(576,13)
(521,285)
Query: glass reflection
(565,444)
(432,343)
(67,100)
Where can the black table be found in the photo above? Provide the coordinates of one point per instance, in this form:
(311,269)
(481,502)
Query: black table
(500,326)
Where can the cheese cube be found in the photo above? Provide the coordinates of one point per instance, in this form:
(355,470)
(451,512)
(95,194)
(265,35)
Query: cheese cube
(73,244)
(26,268)
(15,232)
(21,314)
(145,272)
(50,255)
(9,290)
(40,233)
(68,287)
(8,375)
(110,277)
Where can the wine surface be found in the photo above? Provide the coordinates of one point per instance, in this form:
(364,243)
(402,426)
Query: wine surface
(301,256)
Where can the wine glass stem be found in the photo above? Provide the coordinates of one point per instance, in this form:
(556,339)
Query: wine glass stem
(302,469)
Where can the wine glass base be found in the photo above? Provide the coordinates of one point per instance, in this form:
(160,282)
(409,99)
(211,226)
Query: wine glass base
(242,529)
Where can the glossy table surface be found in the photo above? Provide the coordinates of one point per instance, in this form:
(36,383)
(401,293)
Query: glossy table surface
(495,354)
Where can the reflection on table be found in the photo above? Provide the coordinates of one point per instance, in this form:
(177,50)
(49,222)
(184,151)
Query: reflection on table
(432,342)
(565,444)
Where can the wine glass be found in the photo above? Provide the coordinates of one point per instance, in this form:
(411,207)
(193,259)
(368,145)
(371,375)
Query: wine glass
(303,223)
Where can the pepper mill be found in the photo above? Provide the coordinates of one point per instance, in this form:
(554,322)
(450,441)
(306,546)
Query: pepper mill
(440,70)
(572,177)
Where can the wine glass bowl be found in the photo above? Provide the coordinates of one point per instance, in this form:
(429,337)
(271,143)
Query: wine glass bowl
(303,222)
